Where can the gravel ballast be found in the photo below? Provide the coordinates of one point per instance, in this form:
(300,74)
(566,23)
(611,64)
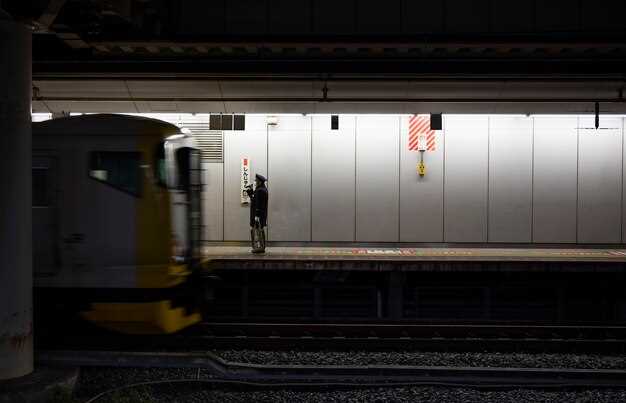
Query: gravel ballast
(172,394)
(413,358)
(400,395)
(95,380)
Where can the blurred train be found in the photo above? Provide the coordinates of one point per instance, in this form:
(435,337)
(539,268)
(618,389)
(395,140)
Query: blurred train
(117,220)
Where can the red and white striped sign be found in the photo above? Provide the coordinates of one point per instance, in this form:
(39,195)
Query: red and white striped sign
(419,126)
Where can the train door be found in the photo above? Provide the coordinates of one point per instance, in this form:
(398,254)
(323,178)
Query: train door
(184,178)
(46,258)
(195,222)
(189,168)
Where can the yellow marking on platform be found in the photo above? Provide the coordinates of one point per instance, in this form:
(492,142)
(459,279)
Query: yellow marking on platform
(452,254)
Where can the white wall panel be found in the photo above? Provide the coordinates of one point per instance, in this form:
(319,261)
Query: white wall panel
(213,201)
(623,181)
(421,197)
(555,155)
(466,176)
(333,179)
(289,179)
(377,187)
(491,179)
(251,143)
(600,181)
(510,179)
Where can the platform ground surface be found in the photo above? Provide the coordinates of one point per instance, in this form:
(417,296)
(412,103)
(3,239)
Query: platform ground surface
(538,254)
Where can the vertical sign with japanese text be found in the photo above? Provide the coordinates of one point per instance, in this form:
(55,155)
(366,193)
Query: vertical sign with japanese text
(245,179)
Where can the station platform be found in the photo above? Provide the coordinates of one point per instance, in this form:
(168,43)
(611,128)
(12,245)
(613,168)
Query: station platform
(521,254)
(550,284)
(361,257)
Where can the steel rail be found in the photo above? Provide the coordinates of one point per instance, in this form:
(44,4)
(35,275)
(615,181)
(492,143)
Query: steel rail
(374,336)
(416,329)
(365,336)
(312,375)
(397,44)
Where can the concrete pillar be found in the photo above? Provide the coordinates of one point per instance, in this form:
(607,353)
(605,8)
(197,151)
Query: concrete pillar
(16,277)
(395,295)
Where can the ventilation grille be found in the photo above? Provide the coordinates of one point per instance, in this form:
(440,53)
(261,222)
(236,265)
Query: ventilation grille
(210,142)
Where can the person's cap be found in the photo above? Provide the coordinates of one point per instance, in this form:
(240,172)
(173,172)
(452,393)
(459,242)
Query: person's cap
(260,177)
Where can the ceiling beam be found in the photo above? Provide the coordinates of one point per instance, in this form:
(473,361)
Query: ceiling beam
(50,14)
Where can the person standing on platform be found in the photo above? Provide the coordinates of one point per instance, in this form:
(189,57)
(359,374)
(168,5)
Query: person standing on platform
(258,213)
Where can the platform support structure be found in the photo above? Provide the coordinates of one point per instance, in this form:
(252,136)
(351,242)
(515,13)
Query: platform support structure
(395,295)
(16,277)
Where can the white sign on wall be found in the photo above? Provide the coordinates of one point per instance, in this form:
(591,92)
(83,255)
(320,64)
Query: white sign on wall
(421,142)
(245,179)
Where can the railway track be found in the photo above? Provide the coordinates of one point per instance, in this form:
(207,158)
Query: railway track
(457,337)
(341,336)
(216,370)
(206,370)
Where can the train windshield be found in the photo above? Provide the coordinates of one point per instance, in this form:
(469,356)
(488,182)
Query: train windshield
(118,169)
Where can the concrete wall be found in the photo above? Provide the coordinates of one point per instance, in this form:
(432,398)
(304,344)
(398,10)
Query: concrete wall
(510,179)
(555,173)
(251,143)
(466,179)
(600,181)
(333,179)
(377,178)
(421,197)
(492,178)
(289,166)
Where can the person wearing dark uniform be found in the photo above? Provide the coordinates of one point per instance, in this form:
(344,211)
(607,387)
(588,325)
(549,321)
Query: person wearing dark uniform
(258,213)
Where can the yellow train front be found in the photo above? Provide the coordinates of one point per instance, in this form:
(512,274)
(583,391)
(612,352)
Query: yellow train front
(116,221)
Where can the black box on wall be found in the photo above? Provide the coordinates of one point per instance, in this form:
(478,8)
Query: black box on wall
(436,121)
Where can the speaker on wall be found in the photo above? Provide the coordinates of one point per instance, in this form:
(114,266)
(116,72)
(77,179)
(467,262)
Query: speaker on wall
(215,122)
(227,122)
(436,121)
(239,122)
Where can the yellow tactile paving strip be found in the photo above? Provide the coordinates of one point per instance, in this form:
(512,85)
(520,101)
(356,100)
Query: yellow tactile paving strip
(418,254)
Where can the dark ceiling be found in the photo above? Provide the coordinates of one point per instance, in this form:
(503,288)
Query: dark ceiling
(343,38)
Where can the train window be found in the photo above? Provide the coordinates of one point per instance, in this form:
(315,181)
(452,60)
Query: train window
(120,170)
(41,187)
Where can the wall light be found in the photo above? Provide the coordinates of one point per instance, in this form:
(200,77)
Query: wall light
(271,120)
